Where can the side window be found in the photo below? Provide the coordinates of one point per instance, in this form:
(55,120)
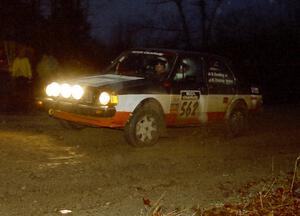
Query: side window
(219,76)
(189,69)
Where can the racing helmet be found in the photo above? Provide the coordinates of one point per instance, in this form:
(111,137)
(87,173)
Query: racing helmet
(163,61)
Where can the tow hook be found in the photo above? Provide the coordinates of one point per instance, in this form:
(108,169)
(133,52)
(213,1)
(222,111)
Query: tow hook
(51,112)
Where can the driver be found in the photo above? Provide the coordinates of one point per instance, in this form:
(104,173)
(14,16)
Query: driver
(160,69)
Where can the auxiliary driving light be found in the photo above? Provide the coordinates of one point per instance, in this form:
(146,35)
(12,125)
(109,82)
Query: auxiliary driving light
(77,92)
(53,89)
(66,90)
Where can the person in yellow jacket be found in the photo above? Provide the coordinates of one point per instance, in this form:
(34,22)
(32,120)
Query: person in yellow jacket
(21,67)
(22,75)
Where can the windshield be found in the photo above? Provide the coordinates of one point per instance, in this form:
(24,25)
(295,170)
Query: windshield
(142,64)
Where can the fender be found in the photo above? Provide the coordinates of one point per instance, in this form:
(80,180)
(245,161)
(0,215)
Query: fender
(153,101)
(156,105)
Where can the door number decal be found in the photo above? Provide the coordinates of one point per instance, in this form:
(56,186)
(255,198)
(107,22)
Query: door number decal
(189,103)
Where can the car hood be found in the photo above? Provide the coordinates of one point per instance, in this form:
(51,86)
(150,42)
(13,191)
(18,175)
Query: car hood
(104,80)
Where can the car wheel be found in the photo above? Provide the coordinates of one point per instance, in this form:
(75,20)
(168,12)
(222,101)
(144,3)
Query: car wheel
(145,127)
(237,122)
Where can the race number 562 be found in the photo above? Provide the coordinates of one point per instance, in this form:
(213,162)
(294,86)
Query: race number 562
(188,109)
(189,105)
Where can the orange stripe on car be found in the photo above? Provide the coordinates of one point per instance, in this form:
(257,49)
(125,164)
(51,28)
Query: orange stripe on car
(215,116)
(117,121)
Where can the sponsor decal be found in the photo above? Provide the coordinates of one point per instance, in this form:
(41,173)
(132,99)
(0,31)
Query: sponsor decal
(214,77)
(217,76)
(147,53)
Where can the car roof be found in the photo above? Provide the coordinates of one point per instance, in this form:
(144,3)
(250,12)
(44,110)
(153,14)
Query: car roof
(180,52)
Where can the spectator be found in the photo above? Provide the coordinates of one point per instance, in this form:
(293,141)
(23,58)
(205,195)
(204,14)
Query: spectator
(21,75)
(21,68)
(47,68)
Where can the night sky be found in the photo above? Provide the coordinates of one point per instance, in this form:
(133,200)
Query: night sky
(104,15)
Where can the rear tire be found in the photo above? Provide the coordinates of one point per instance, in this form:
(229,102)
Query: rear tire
(237,122)
(145,126)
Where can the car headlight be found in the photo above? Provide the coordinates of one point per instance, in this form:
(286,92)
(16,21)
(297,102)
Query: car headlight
(104,98)
(66,90)
(77,92)
(53,89)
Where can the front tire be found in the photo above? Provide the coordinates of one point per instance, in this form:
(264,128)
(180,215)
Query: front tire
(144,127)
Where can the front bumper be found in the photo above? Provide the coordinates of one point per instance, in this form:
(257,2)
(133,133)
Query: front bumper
(84,114)
(76,108)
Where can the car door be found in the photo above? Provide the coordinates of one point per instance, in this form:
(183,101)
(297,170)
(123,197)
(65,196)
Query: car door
(187,103)
(221,85)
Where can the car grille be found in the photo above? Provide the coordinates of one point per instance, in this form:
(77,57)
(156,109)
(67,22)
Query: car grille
(88,96)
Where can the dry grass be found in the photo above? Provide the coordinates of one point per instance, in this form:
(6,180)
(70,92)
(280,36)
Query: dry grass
(278,196)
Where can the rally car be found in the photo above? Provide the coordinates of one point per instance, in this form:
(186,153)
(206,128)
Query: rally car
(196,88)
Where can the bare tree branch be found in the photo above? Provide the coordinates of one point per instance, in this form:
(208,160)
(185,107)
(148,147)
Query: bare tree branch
(160,28)
(207,17)
(160,2)
(185,28)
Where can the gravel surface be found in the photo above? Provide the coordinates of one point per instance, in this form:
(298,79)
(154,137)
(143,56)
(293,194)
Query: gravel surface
(48,170)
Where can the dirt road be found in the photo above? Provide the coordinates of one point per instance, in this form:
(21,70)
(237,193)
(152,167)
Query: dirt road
(45,169)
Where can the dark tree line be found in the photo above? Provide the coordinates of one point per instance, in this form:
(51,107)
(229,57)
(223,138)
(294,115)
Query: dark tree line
(59,25)
(193,24)
(265,37)
(67,24)
(267,41)
(262,39)
(19,20)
